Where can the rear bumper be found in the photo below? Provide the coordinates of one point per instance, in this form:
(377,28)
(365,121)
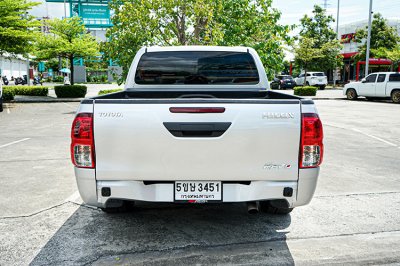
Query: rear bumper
(90,189)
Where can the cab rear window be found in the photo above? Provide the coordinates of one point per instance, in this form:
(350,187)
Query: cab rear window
(394,77)
(318,74)
(196,67)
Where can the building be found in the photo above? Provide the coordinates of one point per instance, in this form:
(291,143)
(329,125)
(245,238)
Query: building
(352,70)
(13,66)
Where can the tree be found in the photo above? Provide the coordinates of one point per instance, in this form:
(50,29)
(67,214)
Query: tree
(305,53)
(391,54)
(203,22)
(17,29)
(382,36)
(68,38)
(319,30)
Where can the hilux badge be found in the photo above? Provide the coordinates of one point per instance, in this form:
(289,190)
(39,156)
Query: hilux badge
(276,115)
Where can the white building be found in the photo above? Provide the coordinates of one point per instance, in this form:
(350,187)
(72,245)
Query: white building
(352,70)
(13,66)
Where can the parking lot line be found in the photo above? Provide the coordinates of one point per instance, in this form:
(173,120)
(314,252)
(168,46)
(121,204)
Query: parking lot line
(8,110)
(14,142)
(374,137)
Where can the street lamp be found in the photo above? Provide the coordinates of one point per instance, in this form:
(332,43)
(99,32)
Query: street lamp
(335,73)
(368,38)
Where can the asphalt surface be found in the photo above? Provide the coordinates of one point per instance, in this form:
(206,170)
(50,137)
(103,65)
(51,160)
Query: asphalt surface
(353,218)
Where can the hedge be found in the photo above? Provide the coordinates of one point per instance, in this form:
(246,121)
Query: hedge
(8,94)
(70,91)
(10,91)
(29,90)
(109,91)
(305,91)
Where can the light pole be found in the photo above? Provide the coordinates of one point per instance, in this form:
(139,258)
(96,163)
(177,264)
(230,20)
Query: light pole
(65,8)
(368,38)
(337,36)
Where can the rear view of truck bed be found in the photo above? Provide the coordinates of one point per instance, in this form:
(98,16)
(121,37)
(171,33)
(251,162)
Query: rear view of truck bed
(197,144)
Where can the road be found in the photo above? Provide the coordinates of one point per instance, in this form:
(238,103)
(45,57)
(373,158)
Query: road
(353,218)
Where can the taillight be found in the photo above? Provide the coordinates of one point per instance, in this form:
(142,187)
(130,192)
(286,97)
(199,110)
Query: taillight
(311,147)
(82,143)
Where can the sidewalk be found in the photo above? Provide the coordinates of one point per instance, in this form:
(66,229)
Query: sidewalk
(93,90)
(327,94)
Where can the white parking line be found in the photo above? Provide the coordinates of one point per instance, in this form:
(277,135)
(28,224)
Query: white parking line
(8,110)
(366,134)
(69,105)
(76,197)
(14,142)
(374,137)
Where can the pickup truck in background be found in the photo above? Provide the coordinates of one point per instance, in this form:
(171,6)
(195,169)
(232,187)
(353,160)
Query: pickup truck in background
(317,79)
(375,85)
(197,124)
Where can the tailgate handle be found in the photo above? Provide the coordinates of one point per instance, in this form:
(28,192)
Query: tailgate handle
(197,130)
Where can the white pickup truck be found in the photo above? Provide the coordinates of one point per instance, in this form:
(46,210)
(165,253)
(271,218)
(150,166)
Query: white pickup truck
(375,85)
(195,125)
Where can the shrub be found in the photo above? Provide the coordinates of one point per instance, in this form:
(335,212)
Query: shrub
(305,91)
(29,90)
(70,91)
(8,94)
(58,79)
(109,91)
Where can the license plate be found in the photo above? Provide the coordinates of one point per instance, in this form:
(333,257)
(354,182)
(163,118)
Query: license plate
(198,191)
(320,80)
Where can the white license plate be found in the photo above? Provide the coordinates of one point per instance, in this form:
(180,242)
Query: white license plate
(320,80)
(198,191)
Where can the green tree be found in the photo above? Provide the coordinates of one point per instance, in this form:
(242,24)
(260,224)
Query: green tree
(317,28)
(204,22)
(305,53)
(17,28)
(391,54)
(382,36)
(68,39)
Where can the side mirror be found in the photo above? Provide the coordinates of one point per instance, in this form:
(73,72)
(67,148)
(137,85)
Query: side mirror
(363,80)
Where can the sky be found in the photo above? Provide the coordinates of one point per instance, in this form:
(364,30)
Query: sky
(292,10)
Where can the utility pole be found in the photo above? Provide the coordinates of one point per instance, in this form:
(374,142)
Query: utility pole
(335,73)
(65,8)
(368,38)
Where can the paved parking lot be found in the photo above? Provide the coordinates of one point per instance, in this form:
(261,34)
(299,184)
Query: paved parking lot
(353,218)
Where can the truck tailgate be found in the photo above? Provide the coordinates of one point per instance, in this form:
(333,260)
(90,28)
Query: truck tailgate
(251,140)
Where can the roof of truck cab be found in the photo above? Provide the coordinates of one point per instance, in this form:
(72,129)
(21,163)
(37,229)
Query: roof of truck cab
(197,48)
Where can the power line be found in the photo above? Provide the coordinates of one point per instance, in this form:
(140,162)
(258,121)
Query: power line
(325,4)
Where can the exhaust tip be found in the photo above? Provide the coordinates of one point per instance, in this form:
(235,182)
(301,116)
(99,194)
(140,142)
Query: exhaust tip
(252,207)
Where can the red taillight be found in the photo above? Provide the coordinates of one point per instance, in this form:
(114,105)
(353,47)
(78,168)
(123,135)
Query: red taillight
(197,110)
(82,143)
(311,147)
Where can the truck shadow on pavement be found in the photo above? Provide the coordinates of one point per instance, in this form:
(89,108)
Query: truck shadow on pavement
(169,234)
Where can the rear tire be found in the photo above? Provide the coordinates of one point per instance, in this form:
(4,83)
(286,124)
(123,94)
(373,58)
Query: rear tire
(396,96)
(351,94)
(1,104)
(322,87)
(308,83)
(274,207)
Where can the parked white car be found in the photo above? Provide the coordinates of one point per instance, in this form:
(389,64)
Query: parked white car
(318,79)
(375,85)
